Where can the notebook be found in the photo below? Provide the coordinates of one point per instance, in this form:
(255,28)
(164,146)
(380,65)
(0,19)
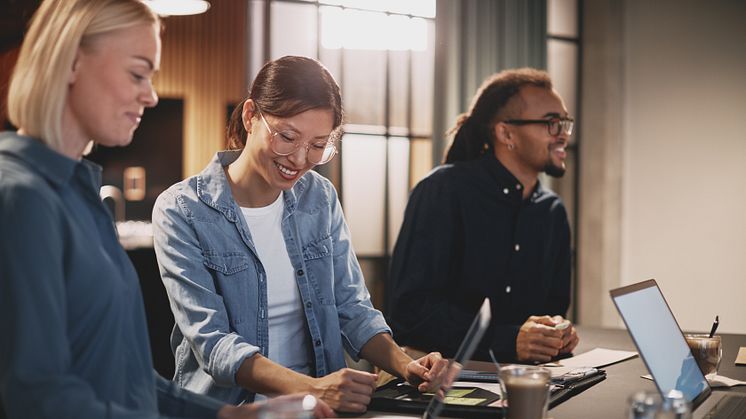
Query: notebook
(471,402)
(664,350)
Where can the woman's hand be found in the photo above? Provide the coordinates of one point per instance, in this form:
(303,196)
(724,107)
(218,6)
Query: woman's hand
(427,372)
(253,410)
(346,390)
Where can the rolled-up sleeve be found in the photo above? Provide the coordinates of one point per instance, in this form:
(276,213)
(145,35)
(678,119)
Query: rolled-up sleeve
(359,320)
(199,311)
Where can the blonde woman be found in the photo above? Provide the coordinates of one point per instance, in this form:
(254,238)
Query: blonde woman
(75,341)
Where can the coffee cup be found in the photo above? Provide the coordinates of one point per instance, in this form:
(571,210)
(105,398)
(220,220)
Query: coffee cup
(707,352)
(526,389)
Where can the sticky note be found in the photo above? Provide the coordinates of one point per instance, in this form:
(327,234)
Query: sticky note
(459,392)
(741,358)
(463,401)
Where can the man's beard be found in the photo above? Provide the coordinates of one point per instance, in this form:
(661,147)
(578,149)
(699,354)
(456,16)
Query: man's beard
(553,170)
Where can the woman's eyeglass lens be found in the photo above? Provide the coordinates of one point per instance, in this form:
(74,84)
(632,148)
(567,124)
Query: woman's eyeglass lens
(285,144)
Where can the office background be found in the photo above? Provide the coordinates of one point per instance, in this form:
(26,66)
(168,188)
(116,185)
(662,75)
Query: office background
(656,174)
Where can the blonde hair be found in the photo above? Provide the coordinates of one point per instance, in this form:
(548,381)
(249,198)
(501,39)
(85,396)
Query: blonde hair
(39,84)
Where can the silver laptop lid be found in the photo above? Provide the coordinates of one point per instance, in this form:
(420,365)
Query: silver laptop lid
(659,340)
(463,355)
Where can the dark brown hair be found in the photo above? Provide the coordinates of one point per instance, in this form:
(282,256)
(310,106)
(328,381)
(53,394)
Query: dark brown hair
(286,87)
(473,130)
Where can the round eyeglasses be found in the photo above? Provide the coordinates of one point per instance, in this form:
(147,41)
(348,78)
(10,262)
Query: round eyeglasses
(555,126)
(285,143)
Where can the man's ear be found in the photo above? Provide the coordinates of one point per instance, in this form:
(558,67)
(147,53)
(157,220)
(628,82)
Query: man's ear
(503,135)
(248,112)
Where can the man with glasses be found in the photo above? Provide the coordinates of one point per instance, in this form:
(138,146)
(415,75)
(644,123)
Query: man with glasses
(482,225)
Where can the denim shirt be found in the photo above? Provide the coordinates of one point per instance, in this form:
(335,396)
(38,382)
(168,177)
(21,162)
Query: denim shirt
(74,337)
(217,284)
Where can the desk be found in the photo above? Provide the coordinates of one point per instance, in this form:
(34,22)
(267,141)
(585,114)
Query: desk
(608,399)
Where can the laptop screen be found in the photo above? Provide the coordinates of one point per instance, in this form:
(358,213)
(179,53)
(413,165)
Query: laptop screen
(659,339)
(463,355)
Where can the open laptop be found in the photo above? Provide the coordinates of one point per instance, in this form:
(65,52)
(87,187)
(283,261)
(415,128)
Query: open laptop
(400,397)
(463,355)
(664,350)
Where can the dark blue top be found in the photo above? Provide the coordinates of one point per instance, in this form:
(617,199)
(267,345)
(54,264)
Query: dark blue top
(469,234)
(74,334)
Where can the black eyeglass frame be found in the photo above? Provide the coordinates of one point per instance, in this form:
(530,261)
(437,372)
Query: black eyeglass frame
(562,124)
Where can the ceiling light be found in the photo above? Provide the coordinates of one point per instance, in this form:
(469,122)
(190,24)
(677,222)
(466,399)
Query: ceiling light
(178,7)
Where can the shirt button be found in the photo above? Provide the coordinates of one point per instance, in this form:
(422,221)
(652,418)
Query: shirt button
(318,342)
(517,247)
(300,272)
(507,289)
(308,304)
(506,191)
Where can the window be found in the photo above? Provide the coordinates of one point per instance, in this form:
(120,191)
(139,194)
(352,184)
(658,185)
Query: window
(563,65)
(381,53)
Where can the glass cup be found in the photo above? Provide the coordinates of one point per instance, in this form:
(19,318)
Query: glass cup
(643,405)
(707,352)
(526,389)
(649,405)
(289,407)
(674,406)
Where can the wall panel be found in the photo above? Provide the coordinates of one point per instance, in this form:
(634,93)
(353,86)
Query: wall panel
(204,62)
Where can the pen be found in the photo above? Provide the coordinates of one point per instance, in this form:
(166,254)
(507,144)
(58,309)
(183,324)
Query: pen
(715,326)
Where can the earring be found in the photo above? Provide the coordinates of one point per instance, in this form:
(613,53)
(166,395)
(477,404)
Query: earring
(511,146)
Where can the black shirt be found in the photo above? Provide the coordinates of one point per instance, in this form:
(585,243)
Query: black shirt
(469,234)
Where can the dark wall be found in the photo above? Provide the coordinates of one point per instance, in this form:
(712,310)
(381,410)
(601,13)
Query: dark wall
(157,146)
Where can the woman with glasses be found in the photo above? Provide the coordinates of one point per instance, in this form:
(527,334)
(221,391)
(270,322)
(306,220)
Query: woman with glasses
(256,258)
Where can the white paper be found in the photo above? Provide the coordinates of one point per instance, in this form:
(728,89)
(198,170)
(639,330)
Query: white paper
(597,358)
(715,380)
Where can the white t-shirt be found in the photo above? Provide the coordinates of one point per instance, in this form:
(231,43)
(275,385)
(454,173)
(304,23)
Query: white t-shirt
(289,343)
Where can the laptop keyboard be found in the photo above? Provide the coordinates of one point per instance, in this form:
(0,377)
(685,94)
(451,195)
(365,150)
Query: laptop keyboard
(729,407)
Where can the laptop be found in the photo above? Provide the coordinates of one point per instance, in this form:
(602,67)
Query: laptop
(664,350)
(399,397)
(463,355)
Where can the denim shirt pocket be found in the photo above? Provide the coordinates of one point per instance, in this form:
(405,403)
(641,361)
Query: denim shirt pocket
(229,265)
(317,255)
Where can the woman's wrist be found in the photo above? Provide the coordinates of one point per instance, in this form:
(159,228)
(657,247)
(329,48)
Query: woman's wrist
(245,411)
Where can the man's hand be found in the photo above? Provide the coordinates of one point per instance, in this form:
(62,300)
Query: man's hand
(427,372)
(346,390)
(570,338)
(253,410)
(539,340)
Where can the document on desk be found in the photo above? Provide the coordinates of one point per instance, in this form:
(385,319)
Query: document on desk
(714,380)
(597,358)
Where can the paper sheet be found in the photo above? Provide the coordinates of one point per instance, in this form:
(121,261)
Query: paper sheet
(715,380)
(596,357)
(741,357)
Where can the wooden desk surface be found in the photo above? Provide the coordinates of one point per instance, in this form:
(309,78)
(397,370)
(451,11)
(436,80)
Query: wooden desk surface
(608,399)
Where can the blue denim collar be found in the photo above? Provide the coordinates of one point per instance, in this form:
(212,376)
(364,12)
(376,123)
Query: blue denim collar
(214,190)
